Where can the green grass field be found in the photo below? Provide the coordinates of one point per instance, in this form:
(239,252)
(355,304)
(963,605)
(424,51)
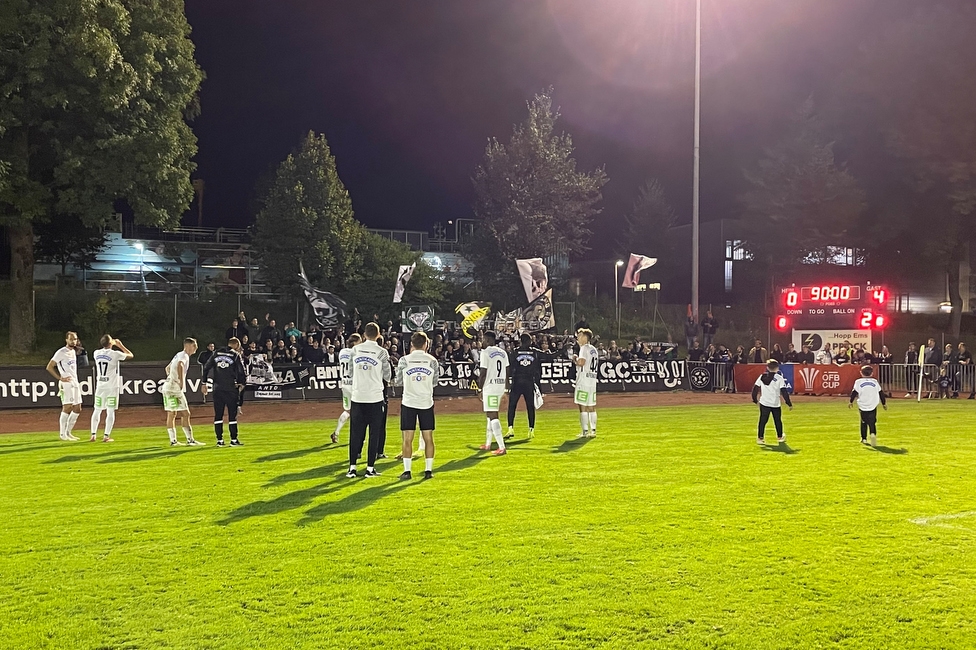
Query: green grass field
(673,529)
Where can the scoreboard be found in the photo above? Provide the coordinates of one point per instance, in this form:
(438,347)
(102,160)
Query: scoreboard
(841,306)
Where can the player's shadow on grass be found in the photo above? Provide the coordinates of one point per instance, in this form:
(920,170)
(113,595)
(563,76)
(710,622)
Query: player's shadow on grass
(781,448)
(114,452)
(286,502)
(179,451)
(297,453)
(571,445)
(309,474)
(887,450)
(26,446)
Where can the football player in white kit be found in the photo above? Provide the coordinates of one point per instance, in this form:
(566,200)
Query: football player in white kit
(585,392)
(63,366)
(345,382)
(107,387)
(174,394)
(494,371)
(417,372)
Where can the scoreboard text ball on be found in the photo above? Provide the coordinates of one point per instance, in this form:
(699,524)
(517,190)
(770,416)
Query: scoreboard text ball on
(833,306)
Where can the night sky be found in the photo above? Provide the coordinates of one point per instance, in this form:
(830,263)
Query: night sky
(408,91)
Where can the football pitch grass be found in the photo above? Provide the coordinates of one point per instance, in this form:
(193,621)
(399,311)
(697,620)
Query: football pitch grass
(672,529)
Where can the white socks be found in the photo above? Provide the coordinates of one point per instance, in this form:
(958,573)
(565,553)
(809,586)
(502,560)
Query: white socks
(172,435)
(585,421)
(342,422)
(429,464)
(407,463)
(70,424)
(109,422)
(188,432)
(496,428)
(592,415)
(489,434)
(95,421)
(63,422)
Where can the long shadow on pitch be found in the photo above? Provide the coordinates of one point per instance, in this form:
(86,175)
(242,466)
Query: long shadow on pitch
(887,450)
(298,453)
(363,498)
(286,502)
(26,446)
(571,445)
(781,448)
(114,452)
(159,454)
(307,475)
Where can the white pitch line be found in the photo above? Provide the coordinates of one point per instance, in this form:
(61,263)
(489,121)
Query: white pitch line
(937,520)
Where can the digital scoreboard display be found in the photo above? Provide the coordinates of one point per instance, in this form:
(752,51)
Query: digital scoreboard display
(850,306)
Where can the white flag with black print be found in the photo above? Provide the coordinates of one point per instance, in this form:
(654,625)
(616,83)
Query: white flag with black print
(636,264)
(403,277)
(535,277)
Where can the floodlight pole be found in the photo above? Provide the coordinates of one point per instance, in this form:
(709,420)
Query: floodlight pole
(616,292)
(696,181)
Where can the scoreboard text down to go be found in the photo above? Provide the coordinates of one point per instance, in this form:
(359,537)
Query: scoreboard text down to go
(849,306)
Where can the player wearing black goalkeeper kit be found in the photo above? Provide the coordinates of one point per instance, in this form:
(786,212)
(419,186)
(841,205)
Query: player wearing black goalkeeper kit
(525,374)
(228,376)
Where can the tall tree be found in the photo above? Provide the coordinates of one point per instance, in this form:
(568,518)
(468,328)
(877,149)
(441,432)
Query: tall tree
(94,99)
(67,240)
(913,87)
(531,199)
(648,222)
(800,203)
(307,216)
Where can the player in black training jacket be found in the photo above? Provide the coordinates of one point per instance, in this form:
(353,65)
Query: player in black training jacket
(228,376)
(525,374)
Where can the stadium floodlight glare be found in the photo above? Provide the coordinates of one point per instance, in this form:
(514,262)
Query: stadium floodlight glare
(142,255)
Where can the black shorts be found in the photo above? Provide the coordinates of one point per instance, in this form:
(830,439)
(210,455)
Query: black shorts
(410,416)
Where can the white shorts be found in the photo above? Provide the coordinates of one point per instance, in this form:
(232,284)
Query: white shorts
(492,401)
(175,402)
(107,398)
(346,398)
(70,393)
(585,395)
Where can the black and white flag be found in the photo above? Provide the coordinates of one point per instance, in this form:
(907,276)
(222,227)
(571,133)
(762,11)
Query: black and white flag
(535,277)
(329,309)
(539,315)
(417,318)
(510,323)
(403,277)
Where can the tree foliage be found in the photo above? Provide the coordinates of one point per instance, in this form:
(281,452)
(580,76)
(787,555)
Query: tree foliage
(307,215)
(531,199)
(799,203)
(647,224)
(94,99)
(67,240)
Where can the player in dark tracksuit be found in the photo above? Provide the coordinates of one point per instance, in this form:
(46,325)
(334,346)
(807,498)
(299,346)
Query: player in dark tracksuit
(228,376)
(525,374)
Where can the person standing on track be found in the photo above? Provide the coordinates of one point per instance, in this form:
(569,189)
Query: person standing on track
(63,366)
(868,393)
(417,372)
(770,388)
(491,385)
(526,377)
(345,383)
(174,394)
(107,384)
(370,369)
(381,444)
(586,381)
(228,377)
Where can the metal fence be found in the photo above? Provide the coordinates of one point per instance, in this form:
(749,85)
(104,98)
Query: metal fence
(722,375)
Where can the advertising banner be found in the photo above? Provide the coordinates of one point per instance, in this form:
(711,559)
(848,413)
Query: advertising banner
(804,379)
(819,339)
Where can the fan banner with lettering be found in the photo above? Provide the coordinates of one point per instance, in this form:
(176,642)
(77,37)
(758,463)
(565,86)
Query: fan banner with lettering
(329,309)
(636,264)
(417,318)
(403,277)
(539,315)
(510,323)
(473,315)
(535,277)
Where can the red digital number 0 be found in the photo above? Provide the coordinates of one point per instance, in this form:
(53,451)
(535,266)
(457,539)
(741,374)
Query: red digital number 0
(791,298)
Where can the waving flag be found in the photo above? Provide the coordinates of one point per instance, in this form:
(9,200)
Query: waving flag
(403,277)
(535,277)
(473,314)
(637,264)
(329,309)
